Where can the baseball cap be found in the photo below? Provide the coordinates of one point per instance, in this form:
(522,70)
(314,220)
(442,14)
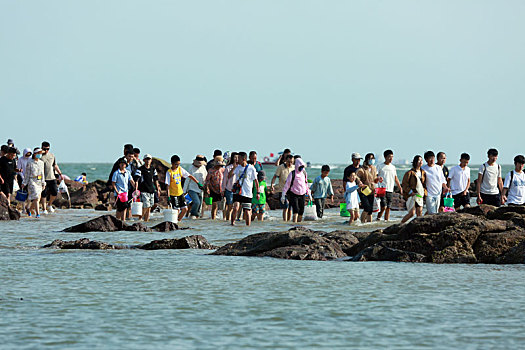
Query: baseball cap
(147,156)
(356,155)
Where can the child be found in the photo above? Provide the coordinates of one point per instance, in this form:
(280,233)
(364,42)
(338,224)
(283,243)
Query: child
(258,205)
(352,197)
(120,181)
(82,179)
(322,188)
(173,180)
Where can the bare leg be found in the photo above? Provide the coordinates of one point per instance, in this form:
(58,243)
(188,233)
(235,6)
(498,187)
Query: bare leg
(260,216)
(299,218)
(387,214)
(214,208)
(233,217)
(407,217)
(294,217)
(145,214)
(363,217)
(381,213)
(182,213)
(419,211)
(51,200)
(248,217)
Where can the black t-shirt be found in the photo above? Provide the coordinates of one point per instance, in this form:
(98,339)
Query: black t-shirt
(445,171)
(146,178)
(7,169)
(348,169)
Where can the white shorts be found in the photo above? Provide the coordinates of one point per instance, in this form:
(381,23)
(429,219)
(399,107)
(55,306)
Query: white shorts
(147,199)
(433,204)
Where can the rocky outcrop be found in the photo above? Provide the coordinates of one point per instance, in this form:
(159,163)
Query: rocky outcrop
(165,226)
(6,211)
(190,242)
(106,223)
(482,235)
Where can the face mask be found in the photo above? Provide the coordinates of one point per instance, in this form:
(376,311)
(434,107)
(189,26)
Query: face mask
(38,156)
(372,161)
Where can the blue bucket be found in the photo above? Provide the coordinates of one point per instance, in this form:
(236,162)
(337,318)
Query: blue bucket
(21,196)
(188,199)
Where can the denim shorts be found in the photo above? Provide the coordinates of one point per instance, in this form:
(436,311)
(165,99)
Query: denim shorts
(228,195)
(433,204)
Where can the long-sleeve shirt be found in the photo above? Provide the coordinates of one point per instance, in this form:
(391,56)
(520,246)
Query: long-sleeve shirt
(322,187)
(227,183)
(300,182)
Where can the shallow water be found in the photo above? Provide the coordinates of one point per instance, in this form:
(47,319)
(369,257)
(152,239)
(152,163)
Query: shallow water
(188,299)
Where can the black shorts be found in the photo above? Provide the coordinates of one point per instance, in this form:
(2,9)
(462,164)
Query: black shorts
(461,200)
(177,202)
(246,203)
(386,201)
(491,199)
(121,206)
(51,188)
(216,197)
(296,202)
(7,188)
(367,202)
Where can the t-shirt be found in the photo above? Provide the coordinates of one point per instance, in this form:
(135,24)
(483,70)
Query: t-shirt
(7,169)
(258,166)
(174,181)
(388,173)
(247,181)
(146,178)
(445,171)
(434,180)
(516,194)
(121,180)
(49,166)
(282,173)
(489,185)
(458,179)
(349,169)
(321,188)
(262,194)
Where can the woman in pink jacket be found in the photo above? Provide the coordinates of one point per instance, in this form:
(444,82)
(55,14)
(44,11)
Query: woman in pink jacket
(296,189)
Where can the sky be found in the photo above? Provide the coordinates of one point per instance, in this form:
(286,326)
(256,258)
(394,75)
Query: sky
(324,78)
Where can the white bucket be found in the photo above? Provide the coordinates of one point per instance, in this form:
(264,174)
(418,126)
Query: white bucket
(171,215)
(136,208)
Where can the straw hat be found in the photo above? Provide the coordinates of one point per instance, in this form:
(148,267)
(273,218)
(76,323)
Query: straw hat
(219,160)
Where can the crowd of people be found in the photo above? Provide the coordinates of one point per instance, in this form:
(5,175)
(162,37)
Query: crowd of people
(238,181)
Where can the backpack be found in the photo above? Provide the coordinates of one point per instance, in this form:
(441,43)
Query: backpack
(485,169)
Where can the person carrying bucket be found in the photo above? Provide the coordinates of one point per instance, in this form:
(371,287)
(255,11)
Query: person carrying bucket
(367,174)
(459,182)
(436,182)
(387,171)
(148,182)
(414,190)
(120,182)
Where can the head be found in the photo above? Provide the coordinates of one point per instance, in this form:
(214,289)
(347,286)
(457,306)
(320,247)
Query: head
(10,143)
(370,159)
(200,160)
(84,174)
(356,159)
(27,152)
(430,158)
(4,150)
(287,151)
(261,176)
(216,153)
(351,176)
(136,153)
(218,162)
(129,156)
(45,147)
(389,156)
(299,164)
(519,161)
(11,153)
(123,164)
(175,161)
(37,153)
(441,158)
(417,162)
(325,170)
(234,158)
(148,159)
(288,160)
(464,159)
(492,154)
(128,148)
(296,156)
(243,157)
(253,156)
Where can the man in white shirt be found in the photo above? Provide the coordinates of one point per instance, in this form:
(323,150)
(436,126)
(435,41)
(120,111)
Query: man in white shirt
(245,178)
(388,177)
(489,184)
(514,186)
(436,182)
(459,182)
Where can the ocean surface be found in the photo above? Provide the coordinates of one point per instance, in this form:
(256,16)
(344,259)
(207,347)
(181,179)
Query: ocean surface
(187,299)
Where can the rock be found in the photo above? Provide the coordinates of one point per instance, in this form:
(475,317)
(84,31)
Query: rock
(165,226)
(104,223)
(104,207)
(83,243)
(138,227)
(493,246)
(189,242)
(6,211)
(345,239)
(297,243)
(85,196)
(379,252)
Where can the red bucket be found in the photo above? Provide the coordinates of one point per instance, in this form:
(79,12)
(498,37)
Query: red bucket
(380,191)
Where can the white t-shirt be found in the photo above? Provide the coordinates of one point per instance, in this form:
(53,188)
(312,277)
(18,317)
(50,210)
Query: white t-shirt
(435,179)
(247,180)
(458,179)
(516,194)
(352,198)
(388,173)
(489,185)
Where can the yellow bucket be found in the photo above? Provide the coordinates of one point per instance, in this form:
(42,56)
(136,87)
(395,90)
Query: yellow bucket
(366,191)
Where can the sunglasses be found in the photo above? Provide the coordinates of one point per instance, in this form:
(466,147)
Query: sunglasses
(45,149)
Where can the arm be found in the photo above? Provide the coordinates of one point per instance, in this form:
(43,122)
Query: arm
(478,187)
(468,186)
(500,184)
(114,185)
(398,185)
(288,184)
(57,169)
(256,184)
(271,183)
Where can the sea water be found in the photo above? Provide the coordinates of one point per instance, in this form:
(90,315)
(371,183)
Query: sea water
(184,299)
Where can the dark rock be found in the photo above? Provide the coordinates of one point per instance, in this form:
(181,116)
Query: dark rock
(515,255)
(493,246)
(345,239)
(6,211)
(189,242)
(379,252)
(480,210)
(138,227)
(165,226)
(85,196)
(83,243)
(104,207)
(104,223)
(297,243)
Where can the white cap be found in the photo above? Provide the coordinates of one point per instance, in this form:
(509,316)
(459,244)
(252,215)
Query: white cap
(356,156)
(147,156)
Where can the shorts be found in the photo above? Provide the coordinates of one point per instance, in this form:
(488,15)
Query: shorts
(386,201)
(228,196)
(461,200)
(246,203)
(177,202)
(414,202)
(147,199)
(258,208)
(282,205)
(6,188)
(491,199)
(216,197)
(433,204)
(296,202)
(121,206)
(51,188)
(367,202)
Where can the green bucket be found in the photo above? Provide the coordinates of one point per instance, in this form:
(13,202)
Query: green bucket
(342,210)
(208,200)
(448,201)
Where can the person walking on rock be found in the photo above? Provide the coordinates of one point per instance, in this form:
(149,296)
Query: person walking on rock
(387,171)
(441,160)
(214,181)
(148,182)
(121,180)
(50,167)
(282,173)
(514,186)
(367,174)
(459,182)
(296,188)
(435,184)
(173,180)
(34,181)
(489,184)
(8,170)
(321,189)
(414,190)
(227,184)
(198,171)
(246,178)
